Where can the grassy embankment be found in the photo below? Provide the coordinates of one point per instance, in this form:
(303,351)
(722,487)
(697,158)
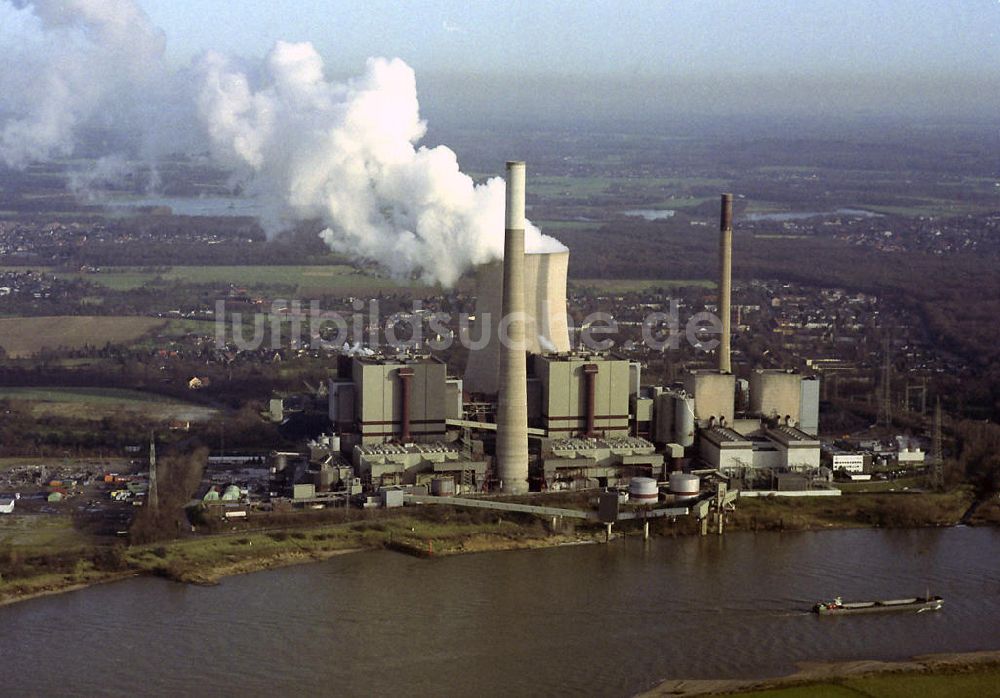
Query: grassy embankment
(51,558)
(850,510)
(35,566)
(945,675)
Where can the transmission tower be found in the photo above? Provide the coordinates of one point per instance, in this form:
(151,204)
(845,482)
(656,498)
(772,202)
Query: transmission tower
(937,450)
(152,496)
(885,389)
(920,389)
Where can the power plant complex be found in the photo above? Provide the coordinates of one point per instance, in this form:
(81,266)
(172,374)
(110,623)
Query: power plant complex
(534,413)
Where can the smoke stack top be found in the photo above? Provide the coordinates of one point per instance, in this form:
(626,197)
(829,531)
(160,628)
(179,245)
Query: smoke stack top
(726,217)
(515,195)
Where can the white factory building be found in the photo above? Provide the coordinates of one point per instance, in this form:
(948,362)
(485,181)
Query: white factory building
(848,462)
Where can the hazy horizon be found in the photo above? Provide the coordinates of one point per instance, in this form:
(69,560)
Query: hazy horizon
(600,61)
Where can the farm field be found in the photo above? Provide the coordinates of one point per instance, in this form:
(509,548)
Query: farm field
(637,285)
(41,532)
(301,279)
(23,337)
(556,187)
(94,404)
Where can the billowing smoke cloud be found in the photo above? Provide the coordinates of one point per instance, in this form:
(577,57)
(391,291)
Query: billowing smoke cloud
(71,63)
(345,153)
(308,148)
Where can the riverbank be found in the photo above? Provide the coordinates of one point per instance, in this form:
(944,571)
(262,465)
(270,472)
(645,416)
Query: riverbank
(209,558)
(862,510)
(967,674)
(438,530)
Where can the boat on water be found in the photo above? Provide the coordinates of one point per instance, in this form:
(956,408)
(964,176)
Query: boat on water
(837,607)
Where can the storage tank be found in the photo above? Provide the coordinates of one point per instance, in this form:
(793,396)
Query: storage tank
(643,490)
(663,424)
(684,420)
(443,487)
(685,485)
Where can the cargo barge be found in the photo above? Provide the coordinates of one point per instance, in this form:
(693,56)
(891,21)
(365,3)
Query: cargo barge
(837,607)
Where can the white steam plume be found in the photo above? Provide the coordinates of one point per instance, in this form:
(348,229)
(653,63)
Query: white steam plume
(308,148)
(71,63)
(346,153)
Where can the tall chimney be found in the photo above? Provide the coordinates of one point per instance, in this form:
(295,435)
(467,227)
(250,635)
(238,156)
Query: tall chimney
(512,402)
(726,282)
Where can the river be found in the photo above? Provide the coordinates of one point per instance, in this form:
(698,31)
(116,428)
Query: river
(588,620)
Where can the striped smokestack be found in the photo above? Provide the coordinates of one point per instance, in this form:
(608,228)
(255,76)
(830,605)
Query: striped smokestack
(726,281)
(512,402)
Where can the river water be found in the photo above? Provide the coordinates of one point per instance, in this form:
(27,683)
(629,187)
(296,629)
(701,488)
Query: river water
(588,620)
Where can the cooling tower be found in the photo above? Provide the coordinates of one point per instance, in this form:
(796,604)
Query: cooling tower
(512,399)
(726,281)
(545,315)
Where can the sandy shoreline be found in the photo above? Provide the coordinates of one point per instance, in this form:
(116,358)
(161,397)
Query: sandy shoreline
(812,672)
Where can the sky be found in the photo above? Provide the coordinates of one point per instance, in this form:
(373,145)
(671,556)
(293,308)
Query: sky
(320,109)
(629,57)
(606,60)
(598,37)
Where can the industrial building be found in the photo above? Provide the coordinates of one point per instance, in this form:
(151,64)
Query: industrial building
(785,396)
(598,462)
(850,462)
(391,417)
(418,464)
(403,422)
(580,394)
(394,399)
(714,394)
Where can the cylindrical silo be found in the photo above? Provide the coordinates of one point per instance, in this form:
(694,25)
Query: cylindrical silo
(664,415)
(684,420)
